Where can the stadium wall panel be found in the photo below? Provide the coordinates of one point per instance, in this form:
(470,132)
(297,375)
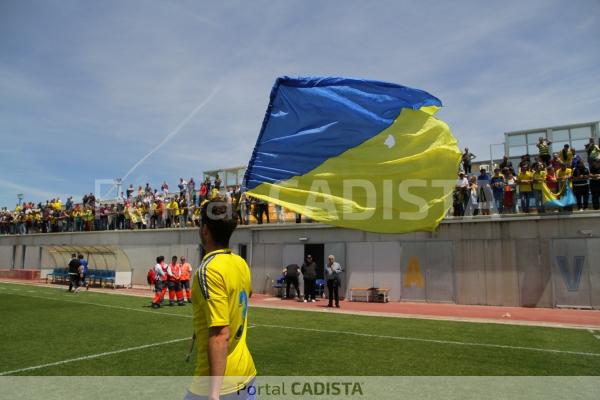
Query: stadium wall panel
(535,261)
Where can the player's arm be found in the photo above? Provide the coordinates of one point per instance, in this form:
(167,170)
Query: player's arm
(218,342)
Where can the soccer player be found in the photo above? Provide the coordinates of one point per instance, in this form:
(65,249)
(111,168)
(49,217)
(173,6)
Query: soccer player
(159,279)
(84,271)
(220,291)
(186,272)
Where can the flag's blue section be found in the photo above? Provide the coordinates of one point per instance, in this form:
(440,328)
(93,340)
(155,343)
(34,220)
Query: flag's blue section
(312,119)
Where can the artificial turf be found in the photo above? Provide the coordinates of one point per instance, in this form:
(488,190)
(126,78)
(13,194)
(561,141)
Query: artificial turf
(48,325)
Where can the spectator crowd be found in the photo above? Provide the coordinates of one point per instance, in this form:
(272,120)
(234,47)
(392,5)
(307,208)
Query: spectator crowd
(141,208)
(507,190)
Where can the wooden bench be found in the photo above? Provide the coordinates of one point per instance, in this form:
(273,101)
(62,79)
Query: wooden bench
(369,295)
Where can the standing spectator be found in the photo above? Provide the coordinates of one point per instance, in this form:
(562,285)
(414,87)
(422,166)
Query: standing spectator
(309,273)
(165,188)
(246,208)
(218,182)
(202,193)
(525,162)
(551,181)
(460,197)
(593,151)
(506,163)
(130,191)
(576,158)
(581,186)
(555,162)
(544,148)
(497,182)
(332,273)
(191,192)
(564,175)
(182,187)
(595,183)
(566,155)
(291,274)
(467,157)
(280,213)
(472,205)
(539,177)
(484,196)
(208,185)
(525,179)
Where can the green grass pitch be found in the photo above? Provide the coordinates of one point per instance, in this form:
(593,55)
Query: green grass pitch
(103,334)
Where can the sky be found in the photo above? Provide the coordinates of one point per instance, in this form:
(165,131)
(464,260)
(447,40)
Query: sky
(92,90)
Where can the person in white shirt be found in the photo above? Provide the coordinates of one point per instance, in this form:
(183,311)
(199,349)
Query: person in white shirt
(332,273)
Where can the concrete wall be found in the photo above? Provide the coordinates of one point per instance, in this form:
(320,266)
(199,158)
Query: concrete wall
(516,261)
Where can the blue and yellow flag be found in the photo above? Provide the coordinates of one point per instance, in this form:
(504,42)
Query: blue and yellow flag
(563,198)
(355,153)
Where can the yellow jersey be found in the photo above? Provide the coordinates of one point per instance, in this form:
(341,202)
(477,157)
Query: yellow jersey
(220,290)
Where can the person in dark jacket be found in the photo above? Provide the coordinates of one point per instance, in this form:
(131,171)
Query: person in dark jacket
(291,274)
(74,272)
(309,272)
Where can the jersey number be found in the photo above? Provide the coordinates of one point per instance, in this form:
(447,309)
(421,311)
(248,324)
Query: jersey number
(243,303)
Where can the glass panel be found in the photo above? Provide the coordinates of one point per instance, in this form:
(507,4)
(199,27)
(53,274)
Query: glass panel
(581,133)
(558,146)
(579,145)
(560,136)
(516,140)
(516,151)
(533,138)
(533,150)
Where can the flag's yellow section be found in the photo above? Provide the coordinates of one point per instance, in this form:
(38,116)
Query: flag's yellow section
(400,180)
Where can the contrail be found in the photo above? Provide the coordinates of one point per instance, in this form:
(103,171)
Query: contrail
(170,135)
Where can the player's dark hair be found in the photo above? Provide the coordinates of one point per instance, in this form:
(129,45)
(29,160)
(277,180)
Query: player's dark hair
(160,259)
(80,256)
(218,217)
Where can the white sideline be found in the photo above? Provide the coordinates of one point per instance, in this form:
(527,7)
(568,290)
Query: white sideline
(413,339)
(405,338)
(92,356)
